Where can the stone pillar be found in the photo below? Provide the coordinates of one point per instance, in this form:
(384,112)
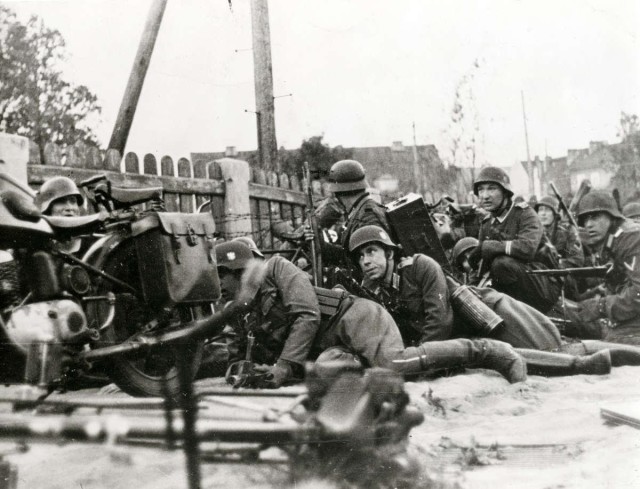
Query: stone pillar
(14,156)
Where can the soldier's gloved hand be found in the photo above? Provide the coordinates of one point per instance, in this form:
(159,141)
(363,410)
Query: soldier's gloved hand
(598,290)
(275,375)
(491,249)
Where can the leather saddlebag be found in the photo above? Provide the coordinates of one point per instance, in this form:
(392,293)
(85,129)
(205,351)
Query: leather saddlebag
(177,259)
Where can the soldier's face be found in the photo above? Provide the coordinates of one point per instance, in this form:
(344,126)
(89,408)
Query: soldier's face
(546,215)
(65,206)
(597,225)
(229,284)
(491,196)
(372,259)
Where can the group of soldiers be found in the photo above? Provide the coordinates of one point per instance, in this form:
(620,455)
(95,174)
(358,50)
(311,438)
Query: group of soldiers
(402,315)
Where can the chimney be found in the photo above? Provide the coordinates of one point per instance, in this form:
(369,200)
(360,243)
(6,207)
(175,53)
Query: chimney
(231,151)
(397,146)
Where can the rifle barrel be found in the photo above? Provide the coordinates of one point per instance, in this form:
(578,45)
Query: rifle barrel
(600,271)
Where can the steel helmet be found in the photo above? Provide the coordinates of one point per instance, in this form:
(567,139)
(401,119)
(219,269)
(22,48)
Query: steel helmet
(461,246)
(369,234)
(631,209)
(233,255)
(251,244)
(56,188)
(598,201)
(550,202)
(346,176)
(492,174)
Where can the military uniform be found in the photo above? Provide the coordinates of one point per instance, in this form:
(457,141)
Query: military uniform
(567,242)
(284,316)
(514,243)
(620,309)
(417,297)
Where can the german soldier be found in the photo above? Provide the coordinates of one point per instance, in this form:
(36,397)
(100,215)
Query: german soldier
(631,211)
(564,237)
(285,316)
(423,302)
(616,241)
(512,242)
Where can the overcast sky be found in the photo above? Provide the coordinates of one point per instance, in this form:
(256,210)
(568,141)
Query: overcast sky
(361,71)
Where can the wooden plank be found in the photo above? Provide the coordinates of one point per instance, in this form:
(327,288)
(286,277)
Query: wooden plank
(39,173)
(186,199)
(628,413)
(167,170)
(150,165)
(76,155)
(265,192)
(52,155)
(131,163)
(112,160)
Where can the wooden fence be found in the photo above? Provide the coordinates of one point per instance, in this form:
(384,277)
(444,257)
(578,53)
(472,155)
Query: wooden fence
(243,201)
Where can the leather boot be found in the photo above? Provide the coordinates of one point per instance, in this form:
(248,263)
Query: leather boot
(484,353)
(621,354)
(550,364)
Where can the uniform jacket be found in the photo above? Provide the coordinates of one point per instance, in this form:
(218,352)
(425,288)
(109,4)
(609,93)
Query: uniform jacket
(520,234)
(565,238)
(365,211)
(420,301)
(285,314)
(622,250)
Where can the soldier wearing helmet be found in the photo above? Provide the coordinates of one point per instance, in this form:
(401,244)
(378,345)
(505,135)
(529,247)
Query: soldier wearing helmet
(460,260)
(415,286)
(512,242)
(284,314)
(59,196)
(564,237)
(349,186)
(614,310)
(631,211)
(421,290)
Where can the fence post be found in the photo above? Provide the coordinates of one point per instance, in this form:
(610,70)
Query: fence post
(237,212)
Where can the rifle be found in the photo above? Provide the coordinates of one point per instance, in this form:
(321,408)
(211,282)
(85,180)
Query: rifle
(562,205)
(316,257)
(578,272)
(585,187)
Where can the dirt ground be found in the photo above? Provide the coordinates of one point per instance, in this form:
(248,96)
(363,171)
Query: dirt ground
(479,432)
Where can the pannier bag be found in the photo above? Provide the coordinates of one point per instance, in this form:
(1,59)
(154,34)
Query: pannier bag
(176,258)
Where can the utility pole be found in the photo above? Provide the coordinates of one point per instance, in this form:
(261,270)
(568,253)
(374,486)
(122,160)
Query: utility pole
(263,79)
(417,172)
(526,138)
(136,78)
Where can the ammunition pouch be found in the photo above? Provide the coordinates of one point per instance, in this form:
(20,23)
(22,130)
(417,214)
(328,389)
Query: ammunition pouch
(176,258)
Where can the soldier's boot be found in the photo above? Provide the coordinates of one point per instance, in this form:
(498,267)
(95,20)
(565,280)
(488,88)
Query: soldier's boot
(484,353)
(621,354)
(550,364)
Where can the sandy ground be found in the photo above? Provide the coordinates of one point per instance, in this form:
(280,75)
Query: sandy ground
(479,432)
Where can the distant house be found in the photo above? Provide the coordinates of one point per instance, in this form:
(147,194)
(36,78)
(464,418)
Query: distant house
(598,164)
(390,169)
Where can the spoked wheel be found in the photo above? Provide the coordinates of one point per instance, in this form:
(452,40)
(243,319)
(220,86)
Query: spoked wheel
(148,373)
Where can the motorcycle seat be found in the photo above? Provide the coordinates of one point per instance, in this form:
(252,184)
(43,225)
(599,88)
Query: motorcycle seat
(134,195)
(77,223)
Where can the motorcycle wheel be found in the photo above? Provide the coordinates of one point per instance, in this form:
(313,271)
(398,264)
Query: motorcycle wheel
(152,373)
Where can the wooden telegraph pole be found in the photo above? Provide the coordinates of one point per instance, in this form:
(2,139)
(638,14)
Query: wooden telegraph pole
(136,78)
(263,79)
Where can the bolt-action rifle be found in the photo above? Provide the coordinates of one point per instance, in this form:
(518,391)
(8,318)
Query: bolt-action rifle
(562,205)
(316,256)
(578,272)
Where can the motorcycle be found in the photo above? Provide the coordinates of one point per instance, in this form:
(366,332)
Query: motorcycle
(129,305)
